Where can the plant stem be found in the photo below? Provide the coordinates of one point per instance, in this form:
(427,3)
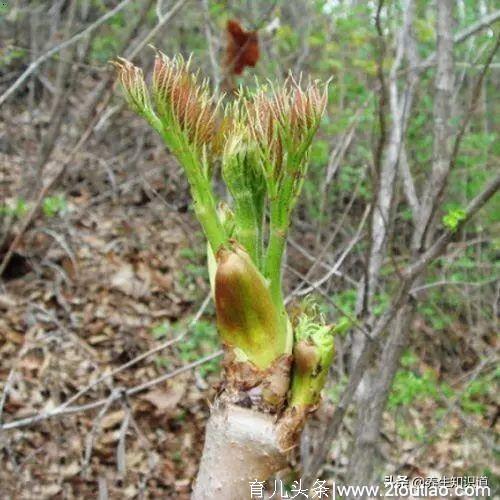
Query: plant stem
(211,227)
(279,222)
(273,263)
(274,256)
(201,190)
(206,213)
(247,232)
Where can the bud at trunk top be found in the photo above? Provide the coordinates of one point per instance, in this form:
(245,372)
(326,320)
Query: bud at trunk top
(247,319)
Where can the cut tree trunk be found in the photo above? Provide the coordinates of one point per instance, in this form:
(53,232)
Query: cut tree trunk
(241,445)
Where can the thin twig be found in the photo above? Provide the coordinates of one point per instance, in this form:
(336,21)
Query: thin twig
(161,22)
(95,427)
(400,297)
(340,260)
(210,43)
(58,412)
(484,22)
(139,358)
(30,217)
(54,50)
(454,283)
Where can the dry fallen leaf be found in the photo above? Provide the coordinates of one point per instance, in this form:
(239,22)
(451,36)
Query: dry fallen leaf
(112,419)
(166,399)
(70,470)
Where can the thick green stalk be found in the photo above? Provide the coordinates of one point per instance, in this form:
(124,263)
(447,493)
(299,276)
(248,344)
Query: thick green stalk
(274,256)
(246,224)
(279,222)
(203,199)
(206,213)
(278,229)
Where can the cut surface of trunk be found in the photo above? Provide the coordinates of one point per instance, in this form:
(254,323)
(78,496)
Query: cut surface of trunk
(241,446)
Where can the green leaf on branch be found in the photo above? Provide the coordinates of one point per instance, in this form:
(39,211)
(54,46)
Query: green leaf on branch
(453,218)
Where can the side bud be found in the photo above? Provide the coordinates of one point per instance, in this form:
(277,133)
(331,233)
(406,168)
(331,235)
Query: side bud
(312,354)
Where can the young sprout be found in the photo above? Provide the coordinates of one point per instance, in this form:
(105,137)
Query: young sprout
(283,123)
(262,142)
(312,353)
(244,179)
(134,89)
(185,116)
(183,103)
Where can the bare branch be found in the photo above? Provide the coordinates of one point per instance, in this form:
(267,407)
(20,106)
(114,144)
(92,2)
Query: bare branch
(316,262)
(54,50)
(434,188)
(108,376)
(161,22)
(386,158)
(141,357)
(211,46)
(386,180)
(340,260)
(58,412)
(400,297)
(484,22)
(460,37)
(438,247)
(409,184)
(453,283)
(354,322)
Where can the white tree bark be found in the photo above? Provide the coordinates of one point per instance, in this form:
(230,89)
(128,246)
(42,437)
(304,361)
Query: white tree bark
(434,189)
(381,216)
(241,446)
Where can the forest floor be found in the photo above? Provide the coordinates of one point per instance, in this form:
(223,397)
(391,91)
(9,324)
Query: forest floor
(93,286)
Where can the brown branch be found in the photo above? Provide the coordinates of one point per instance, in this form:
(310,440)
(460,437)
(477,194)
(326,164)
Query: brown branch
(476,94)
(484,22)
(442,128)
(108,376)
(438,181)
